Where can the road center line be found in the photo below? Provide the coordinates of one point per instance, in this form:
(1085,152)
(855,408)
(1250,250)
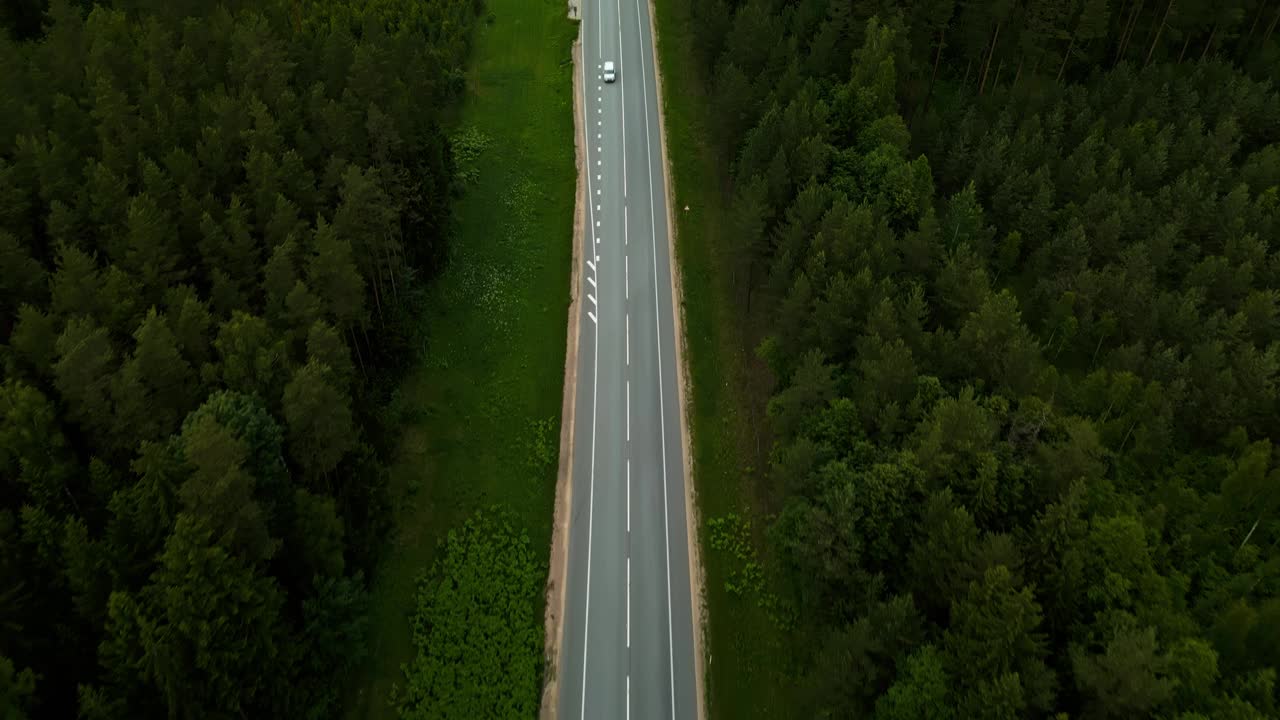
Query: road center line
(628,602)
(657,321)
(628,343)
(628,411)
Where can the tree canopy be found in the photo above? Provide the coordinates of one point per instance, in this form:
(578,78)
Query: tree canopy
(1010,265)
(214,219)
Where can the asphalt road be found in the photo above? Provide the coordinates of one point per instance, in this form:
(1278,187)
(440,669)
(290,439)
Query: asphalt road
(628,634)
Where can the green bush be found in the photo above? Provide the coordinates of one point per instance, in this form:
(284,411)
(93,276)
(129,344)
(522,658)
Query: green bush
(477,627)
(543,444)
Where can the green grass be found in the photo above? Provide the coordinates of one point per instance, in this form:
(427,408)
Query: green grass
(749,674)
(482,407)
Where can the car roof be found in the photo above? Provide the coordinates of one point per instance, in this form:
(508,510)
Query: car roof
(608,64)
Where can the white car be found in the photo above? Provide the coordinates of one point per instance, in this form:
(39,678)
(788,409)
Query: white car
(610,74)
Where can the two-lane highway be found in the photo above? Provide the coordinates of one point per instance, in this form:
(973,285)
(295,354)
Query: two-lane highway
(628,631)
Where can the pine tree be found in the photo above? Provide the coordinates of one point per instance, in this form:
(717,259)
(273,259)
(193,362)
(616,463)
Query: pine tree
(318,415)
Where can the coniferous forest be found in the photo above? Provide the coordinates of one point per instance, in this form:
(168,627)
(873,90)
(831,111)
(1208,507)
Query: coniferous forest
(1009,265)
(1014,270)
(215,222)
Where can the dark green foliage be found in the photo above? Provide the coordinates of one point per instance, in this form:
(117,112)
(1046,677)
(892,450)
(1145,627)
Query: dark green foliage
(1017,288)
(16,689)
(477,628)
(214,220)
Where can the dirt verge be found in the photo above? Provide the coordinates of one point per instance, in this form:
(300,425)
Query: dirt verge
(554,616)
(696,578)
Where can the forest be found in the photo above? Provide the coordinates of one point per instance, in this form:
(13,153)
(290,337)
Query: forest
(216,220)
(1010,267)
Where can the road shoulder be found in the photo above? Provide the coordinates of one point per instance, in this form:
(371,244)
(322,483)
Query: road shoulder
(558,567)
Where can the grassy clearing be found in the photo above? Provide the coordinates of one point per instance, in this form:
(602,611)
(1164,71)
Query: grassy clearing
(748,675)
(482,409)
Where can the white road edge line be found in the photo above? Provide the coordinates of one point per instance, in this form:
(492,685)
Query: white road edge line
(657,321)
(595,392)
